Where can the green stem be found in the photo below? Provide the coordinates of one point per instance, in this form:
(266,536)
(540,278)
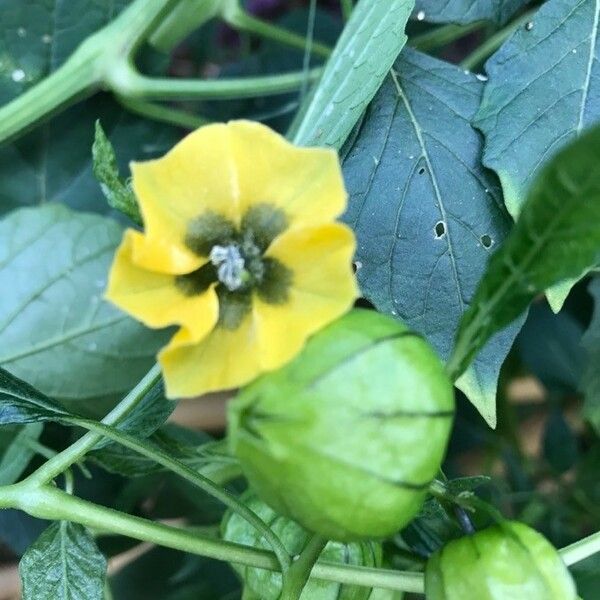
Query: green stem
(581,550)
(83,72)
(163,114)
(193,477)
(347,7)
(299,572)
(48,502)
(443,35)
(73,81)
(240,19)
(63,460)
(126,81)
(483,52)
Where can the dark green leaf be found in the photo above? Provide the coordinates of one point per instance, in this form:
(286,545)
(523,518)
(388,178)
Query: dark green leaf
(54,163)
(118,193)
(63,564)
(53,268)
(147,416)
(587,577)
(164,574)
(560,443)
(16,448)
(556,237)
(541,95)
(591,380)
(18,530)
(202,454)
(550,345)
(467,11)
(366,50)
(21,403)
(425,212)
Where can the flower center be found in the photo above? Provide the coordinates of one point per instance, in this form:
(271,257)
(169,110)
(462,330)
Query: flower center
(236,261)
(230,266)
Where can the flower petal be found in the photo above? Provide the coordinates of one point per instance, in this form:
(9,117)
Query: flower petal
(223,360)
(154,298)
(323,288)
(306,183)
(196,177)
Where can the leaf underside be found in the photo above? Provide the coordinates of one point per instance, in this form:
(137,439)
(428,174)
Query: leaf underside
(366,50)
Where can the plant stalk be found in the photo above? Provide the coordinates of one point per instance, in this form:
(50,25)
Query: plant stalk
(75,452)
(204,483)
(299,573)
(48,502)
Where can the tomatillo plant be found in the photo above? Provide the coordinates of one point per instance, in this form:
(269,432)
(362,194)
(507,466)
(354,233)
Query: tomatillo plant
(361,247)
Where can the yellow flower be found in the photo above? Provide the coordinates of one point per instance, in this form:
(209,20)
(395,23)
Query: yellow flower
(240,249)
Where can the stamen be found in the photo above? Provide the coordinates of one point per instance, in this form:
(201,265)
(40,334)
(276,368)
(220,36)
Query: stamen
(230,266)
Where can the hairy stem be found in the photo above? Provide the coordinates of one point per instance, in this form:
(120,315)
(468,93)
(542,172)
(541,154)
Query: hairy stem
(124,80)
(581,550)
(48,502)
(299,572)
(163,114)
(74,453)
(240,19)
(204,483)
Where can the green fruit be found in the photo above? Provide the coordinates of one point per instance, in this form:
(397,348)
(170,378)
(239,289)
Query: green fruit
(266,585)
(505,562)
(346,438)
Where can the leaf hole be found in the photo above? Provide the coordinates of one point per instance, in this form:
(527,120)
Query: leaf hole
(440,230)
(486,241)
(421,171)
(356,266)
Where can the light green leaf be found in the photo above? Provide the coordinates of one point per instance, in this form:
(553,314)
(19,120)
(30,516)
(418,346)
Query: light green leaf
(591,379)
(556,237)
(16,450)
(467,11)
(53,270)
(541,94)
(54,163)
(425,212)
(117,192)
(63,564)
(365,51)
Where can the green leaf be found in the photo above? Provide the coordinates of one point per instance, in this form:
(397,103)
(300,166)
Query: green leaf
(559,443)
(556,237)
(467,11)
(558,362)
(53,268)
(591,379)
(54,163)
(365,51)
(118,193)
(63,564)
(587,577)
(21,403)
(425,211)
(541,95)
(16,449)
(199,455)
